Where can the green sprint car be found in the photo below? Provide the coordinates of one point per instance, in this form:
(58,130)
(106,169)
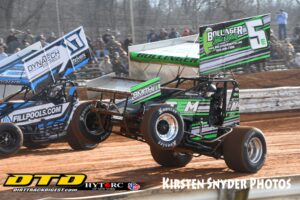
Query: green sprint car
(180,119)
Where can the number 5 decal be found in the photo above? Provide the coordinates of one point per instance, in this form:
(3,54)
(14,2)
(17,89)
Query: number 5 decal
(257,39)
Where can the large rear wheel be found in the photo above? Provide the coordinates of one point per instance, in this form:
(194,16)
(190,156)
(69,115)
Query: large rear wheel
(245,149)
(83,129)
(91,125)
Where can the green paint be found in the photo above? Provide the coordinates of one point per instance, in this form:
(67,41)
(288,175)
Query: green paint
(201,55)
(200,123)
(194,114)
(207,44)
(141,57)
(181,105)
(241,38)
(236,25)
(238,63)
(188,100)
(144,84)
(196,138)
(224,53)
(231,117)
(148,98)
(210,136)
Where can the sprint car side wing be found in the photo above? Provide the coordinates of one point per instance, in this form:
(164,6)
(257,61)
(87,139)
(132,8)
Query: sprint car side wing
(145,91)
(58,59)
(37,66)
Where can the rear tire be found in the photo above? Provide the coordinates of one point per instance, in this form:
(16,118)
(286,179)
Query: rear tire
(170,158)
(162,127)
(79,144)
(245,149)
(77,130)
(11,139)
(89,124)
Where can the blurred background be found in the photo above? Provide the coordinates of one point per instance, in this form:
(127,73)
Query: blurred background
(113,25)
(46,16)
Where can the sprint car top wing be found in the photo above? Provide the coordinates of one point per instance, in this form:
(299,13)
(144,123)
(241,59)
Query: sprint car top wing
(12,68)
(217,47)
(42,66)
(178,51)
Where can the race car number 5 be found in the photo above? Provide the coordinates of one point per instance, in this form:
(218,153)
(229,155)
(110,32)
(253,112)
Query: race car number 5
(257,38)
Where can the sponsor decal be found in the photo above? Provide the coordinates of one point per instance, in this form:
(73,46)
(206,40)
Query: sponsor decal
(145,91)
(161,110)
(34,114)
(10,82)
(142,57)
(22,117)
(78,59)
(190,106)
(56,182)
(104,186)
(60,56)
(133,186)
(110,186)
(16,179)
(224,33)
(166,144)
(233,43)
(44,60)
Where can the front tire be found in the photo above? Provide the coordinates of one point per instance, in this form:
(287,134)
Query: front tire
(162,127)
(170,158)
(11,139)
(245,149)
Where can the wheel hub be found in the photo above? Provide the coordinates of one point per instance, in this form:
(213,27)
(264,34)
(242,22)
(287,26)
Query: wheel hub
(5,139)
(167,127)
(163,127)
(255,150)
(92,123)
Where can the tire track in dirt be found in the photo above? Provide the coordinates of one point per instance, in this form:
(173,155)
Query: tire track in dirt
(122,159)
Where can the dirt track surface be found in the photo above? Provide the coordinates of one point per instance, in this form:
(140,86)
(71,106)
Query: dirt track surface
(269,79)
(121,159)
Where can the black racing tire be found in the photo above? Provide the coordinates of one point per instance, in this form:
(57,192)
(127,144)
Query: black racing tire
(170,158)
(11,139)
(78,143)
(245,149)
(162,127)
(35,145)
(91,125)
(82,137)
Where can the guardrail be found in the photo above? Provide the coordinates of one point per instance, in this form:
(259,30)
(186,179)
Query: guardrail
(262,100)
(205,194)
(270,99)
